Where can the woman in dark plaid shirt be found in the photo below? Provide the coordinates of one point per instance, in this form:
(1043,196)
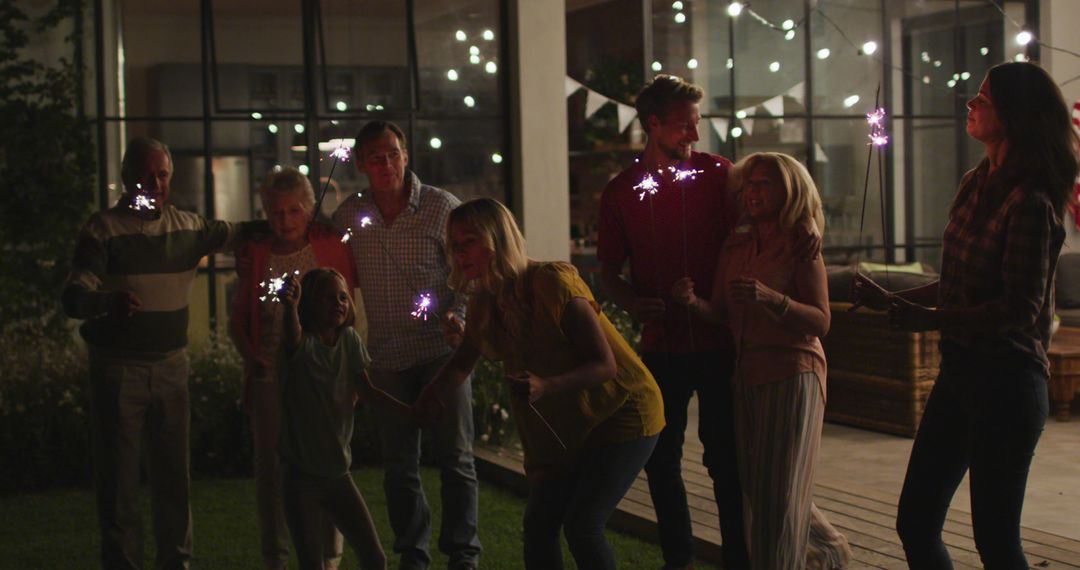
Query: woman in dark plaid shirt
(994,306)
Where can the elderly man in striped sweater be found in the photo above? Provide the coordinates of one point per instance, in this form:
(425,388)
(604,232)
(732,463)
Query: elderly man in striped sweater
(133,268)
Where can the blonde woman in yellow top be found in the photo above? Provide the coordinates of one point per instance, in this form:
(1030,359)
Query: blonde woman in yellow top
(587,409)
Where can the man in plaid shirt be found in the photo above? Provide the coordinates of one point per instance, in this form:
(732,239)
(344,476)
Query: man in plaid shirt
(398,231)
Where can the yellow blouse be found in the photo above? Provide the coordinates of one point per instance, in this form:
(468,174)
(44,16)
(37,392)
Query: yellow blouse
(624,408)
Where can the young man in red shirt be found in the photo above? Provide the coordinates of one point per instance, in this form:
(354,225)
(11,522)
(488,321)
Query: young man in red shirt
(668,215)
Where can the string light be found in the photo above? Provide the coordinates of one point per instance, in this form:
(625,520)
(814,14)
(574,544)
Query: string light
(491,67)
(656,66)
(734,9)
(774,66)
(488,35)
(680,18)
(869,48)
(692,64)
(677,5)
(736,132)
(272,128)
(435,142)
(469,101)
(474,59)
(452,75)
(788,24)
(496,158)
(341,106)
(850,101)
(256,115)
(460,35)
(299,128)
(1024,38)
(823,53)
(790,35)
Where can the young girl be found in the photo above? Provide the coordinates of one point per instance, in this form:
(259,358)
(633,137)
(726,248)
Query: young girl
(256,328)
(321,374)
(587,409)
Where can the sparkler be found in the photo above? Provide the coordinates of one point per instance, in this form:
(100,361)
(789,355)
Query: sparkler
(878,139)
(423,306)
(348,235)
(340,153)
(274,286)
(365,221)
(681,174)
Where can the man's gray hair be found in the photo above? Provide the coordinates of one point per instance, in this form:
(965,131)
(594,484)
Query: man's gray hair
(138,149)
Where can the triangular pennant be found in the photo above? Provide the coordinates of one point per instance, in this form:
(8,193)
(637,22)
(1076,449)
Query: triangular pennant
(572,86)
(798,92)
(748,126)
(819,154)
(720,124)
(593,102)
(626,116)
(775,106)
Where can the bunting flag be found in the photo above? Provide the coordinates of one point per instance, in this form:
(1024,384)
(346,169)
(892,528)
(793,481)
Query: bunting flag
(572,86)
(774,106)
(748,126)
(593,102)
(819,154)
(626,115)
(720,125)
(798,92)
(1076,115)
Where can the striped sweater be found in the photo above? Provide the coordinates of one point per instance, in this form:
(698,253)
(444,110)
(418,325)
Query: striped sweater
(154,259)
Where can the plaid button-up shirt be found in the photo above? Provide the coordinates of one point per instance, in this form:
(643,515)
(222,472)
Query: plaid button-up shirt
(1000,252)
(398,263)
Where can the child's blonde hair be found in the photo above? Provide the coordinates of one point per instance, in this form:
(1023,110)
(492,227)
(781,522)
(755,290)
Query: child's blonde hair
(802,197)
(311,286)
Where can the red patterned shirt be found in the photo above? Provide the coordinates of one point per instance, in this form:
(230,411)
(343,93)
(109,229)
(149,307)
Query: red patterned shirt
(1000,252)
(665,236)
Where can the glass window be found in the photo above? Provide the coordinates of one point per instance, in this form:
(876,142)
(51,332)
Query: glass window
(258,55)
(159,55)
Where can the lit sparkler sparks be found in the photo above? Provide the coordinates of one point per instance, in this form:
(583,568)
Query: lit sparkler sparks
(423,306)
(274,286)
(348,235)
(142,201)
(648,186)
(876,120)
(365,221)
(681,174)
(341,153)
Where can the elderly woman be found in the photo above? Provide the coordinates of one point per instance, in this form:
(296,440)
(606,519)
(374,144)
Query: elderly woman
(993,306)
(257,329)
(776,303)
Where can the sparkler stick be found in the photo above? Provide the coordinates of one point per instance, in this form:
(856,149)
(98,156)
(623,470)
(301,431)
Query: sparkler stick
(681,175)
(547,425)
(878,139)
(340,153)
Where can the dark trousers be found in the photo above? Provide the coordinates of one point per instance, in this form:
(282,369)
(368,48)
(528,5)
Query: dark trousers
(985,413)
(680,376)
(581,502)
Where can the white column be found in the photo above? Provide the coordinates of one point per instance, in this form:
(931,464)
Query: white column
(1057,27)
(541,170)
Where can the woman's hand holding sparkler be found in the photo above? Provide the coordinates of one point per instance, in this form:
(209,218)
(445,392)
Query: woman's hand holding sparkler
(864,292)
(527,386)
(750,290)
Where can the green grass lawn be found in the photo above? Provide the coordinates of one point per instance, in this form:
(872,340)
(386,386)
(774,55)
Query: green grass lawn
(58,530)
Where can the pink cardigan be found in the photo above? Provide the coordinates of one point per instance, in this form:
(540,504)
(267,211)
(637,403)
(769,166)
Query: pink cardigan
(329,252)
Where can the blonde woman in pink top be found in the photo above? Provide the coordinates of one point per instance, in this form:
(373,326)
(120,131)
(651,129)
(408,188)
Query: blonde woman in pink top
(777,305)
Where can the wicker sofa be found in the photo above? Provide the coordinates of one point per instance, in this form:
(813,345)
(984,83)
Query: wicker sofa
(879,378)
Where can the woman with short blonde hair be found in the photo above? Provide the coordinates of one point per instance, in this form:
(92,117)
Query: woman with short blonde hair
(777,305)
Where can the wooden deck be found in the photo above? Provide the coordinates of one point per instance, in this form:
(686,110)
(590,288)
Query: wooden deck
(865,516)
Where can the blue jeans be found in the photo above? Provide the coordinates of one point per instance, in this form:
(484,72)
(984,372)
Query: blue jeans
(985,413)
(581,502)
(679,376)
(410,516)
